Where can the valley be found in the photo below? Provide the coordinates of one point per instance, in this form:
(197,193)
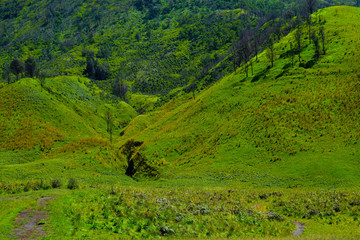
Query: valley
(264,148)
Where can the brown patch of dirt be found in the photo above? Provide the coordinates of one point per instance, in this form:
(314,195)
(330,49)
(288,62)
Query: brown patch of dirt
(32,223)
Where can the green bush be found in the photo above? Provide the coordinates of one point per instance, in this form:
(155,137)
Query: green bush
(56,183)
(72,184)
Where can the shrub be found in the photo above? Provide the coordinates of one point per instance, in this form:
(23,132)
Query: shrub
(27,187)
(165,230)
(72,184)
(42,185)
(56,183)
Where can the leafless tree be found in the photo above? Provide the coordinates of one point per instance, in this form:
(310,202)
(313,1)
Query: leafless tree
(311,5)
(109,123)
(298,41)
(322,36)
(270,53)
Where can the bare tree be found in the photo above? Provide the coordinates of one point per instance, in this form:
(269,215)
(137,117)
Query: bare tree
(256,42)
(270,53)
(42,77)
(316,44)
(120,89)
(247,69)
(322,36)
(109,123)
(236,56)
(292,53)
(252,68)
(309,21)
(298,41)
(311,5)
(245,47)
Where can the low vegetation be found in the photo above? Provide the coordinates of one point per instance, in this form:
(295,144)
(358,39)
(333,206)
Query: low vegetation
(271,146)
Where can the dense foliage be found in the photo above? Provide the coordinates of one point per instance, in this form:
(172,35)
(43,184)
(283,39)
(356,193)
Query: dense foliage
(154,45)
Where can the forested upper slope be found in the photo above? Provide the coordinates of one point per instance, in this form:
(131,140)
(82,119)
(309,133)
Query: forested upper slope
(153,45)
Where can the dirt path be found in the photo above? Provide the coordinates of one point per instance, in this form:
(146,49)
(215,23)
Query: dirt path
(300,228)
(32,223)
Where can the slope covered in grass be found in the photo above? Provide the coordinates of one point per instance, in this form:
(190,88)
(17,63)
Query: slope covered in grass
(57,130)
(285,125)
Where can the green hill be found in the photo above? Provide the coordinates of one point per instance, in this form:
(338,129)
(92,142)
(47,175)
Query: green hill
(270,151)
(287,125)
(40,124)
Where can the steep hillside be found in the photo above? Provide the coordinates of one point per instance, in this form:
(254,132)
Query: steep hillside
(65,108)
(49,127)
(286,125)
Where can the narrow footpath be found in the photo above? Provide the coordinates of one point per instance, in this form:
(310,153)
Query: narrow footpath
(32,224)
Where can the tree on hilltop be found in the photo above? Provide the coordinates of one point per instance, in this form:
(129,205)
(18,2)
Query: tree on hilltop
(17,67)
(311,5)
(93,69)
(30,66)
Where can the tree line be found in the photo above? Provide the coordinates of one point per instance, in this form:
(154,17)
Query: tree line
(155,62)
(254,39)
(20,69)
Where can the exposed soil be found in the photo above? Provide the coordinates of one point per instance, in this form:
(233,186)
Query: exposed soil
(32,223)
(300,228)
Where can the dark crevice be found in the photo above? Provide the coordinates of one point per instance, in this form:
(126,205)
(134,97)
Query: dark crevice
(137,162)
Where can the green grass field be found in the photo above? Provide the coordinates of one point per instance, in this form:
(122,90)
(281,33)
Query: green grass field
(246,158)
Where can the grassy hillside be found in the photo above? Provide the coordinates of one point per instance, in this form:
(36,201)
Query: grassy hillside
(58,130)
(287,125)
(249,157)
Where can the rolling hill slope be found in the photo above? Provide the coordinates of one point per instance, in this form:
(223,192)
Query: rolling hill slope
(57,130)
(221,159)
(286,125)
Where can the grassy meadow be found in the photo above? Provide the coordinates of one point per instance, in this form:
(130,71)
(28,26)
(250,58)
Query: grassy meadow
(245,158)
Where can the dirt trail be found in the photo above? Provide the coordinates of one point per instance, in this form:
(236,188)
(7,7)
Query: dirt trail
(31,222)
(300,228)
